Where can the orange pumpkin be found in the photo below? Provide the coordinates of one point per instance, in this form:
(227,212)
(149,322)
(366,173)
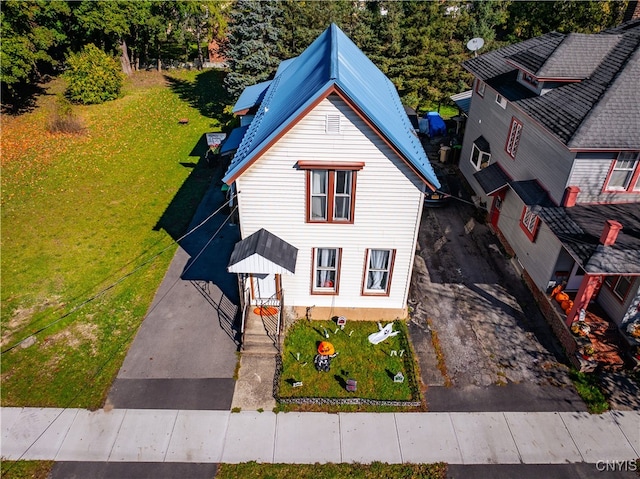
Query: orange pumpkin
(326,348)
(566,305)
(560,297)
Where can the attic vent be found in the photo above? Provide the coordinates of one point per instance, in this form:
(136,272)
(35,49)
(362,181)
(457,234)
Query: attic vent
(333,124)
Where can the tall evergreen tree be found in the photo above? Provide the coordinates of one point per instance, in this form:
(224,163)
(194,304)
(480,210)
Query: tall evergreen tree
(252,44)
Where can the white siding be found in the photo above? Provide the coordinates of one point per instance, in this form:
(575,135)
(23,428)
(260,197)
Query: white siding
(388,206)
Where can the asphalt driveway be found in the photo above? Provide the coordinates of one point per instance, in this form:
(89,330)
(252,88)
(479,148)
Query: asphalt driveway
(494,349)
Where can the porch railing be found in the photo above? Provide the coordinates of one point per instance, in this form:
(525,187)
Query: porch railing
(245,299)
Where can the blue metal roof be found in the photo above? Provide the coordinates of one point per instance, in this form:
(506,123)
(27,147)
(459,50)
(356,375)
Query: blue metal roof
(332,60)
(234,139)
(251,96)
(284,64)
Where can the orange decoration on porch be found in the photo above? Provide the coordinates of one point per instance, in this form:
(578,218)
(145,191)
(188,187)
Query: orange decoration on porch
(560,297)
(566,305)
(266,311)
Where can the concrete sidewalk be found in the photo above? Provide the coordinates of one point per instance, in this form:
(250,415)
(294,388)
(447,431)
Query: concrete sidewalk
(190,436)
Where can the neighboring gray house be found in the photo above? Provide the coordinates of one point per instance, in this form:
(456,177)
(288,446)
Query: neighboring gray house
(552,150)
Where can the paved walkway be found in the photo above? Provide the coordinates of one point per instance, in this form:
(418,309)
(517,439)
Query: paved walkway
(178,436)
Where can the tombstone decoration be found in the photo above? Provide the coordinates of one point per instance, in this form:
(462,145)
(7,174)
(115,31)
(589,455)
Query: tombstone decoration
(382,334)
(352,385)
(341,321)
(398,378)
(322,360)
(297,384)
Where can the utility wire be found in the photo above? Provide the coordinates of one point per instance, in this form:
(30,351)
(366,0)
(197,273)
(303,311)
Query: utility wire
(126,339)
(122,278)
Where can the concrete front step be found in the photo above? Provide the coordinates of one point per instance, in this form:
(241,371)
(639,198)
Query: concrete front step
(254,327)
(258,344)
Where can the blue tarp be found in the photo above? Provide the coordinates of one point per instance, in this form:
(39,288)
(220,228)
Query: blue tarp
(436,124)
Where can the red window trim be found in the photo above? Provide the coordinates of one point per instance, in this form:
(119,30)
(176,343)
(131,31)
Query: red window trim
(312,291)
(330,165)
(392,260)
(611,287)
(635,177)
(514,151)
(536,225)
(330,194)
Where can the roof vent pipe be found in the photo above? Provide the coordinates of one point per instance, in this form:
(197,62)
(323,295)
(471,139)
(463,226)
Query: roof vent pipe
(610,232)
(570,196)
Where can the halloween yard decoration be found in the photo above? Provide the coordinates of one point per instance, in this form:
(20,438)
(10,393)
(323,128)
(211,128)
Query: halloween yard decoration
(326,352)
(382,334)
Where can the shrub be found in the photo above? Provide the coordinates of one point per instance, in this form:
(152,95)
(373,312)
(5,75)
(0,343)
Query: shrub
(93,76)
(62,119)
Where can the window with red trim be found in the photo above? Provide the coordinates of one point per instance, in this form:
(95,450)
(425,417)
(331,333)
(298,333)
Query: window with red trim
(326,270)
(529,223)
(619,285)
(513,140)
(377,274)
(331,190)
(624,173)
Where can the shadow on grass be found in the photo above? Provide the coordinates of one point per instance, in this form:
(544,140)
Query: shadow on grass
(206,94)
(23,99)
(175,219)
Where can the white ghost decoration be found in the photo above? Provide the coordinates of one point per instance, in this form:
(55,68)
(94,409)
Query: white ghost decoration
(383,334)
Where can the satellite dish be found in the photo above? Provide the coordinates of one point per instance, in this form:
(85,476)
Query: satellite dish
(475,44)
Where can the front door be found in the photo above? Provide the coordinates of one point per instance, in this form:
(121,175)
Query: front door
(575,278)
(263,287)
(496,206)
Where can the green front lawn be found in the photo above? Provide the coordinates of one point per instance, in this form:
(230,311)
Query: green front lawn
(372,366)
(82,218)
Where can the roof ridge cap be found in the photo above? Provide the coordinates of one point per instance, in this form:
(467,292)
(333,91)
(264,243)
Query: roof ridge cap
(333,66)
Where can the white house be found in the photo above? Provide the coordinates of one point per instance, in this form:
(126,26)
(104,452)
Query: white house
(330,180)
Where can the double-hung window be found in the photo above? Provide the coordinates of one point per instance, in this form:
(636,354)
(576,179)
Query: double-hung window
(513,140)
(620,285)
(377,275)
(529,222)
(326,270)
(331,191)
(624,173)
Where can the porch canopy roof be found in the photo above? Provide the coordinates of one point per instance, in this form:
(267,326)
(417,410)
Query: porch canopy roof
(579,229)
(492,178)
(263,253)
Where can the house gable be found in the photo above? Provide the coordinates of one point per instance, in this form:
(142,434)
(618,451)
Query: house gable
(331,64)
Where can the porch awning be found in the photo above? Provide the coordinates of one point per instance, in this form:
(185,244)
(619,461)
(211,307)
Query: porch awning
(235,137)
(531,193)
(463,100)
(263,253)
(492,178)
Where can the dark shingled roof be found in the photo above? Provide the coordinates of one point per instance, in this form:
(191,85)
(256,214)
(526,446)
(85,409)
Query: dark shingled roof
(531,193)
(482,144)
(267,245)
(492,178)
(600,112)
(579,229)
